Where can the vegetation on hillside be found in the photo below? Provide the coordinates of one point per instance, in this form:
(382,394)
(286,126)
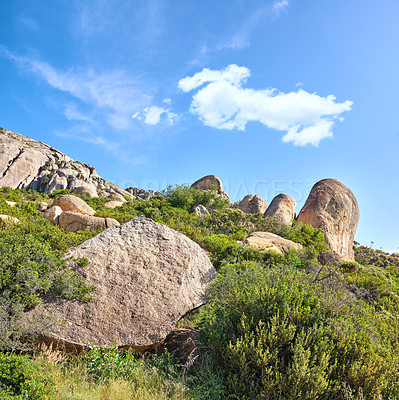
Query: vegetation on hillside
(275,327)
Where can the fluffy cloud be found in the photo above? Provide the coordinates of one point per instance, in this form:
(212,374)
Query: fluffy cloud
(152,115)
(223,103)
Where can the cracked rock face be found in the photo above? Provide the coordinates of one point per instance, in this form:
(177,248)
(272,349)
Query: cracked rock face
(26,163)
(147,276)
(333,208)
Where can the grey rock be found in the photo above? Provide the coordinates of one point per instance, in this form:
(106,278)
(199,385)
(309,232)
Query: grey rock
(147,276)
(26,163)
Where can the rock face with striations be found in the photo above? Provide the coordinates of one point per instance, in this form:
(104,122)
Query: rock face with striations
(282,208)
(26,163)
(147,276)
(251,204)
(333,208)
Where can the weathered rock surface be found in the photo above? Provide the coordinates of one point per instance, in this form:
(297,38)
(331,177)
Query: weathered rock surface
(11,203)
(42,206)
(113,204)
(201,210)
(251,204)
(9,219)
(266,241)
(52,214)
(282,208)
(333,208)
(113,196)
(68,202)
(210,182)
(147,276)
(142,194)
(74,221)
(26,163)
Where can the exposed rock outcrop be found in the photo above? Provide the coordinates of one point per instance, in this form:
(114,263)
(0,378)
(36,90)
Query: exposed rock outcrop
(266,241)
(147,276)
(74,221)
(68,202)
(201,210)
(251,204)
(26,163)
(282,208)
(142,194)
(52,214)
(333,208)
(210,182)
(113,204)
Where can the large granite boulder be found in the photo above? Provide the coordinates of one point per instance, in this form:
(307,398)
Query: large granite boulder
(8,219)
(68,202)
(282,208)
(147,276)
(113,204)
(266,241)
(333,208)
(26,163)
(210,182)
(251,204)
(74,221)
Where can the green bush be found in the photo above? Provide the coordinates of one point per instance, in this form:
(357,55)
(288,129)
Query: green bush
(278,333)
(188,198)
(23,377)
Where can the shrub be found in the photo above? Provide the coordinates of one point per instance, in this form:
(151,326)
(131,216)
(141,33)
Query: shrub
(24,377)
(278,333)
(188,198)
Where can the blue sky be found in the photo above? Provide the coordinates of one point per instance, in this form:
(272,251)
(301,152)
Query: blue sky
(271,96)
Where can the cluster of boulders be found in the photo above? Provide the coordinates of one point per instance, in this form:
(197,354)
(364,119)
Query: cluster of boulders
(331,207)
(26,163)
(73,214)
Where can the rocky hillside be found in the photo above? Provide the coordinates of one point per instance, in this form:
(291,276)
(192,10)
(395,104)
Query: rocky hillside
(26,163)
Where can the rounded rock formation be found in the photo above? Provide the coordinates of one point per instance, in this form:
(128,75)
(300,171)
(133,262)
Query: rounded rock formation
(146,277)
(74,221)
(72,203)
(282,208)
(333,208)
(266,241)
(251,204)
(210,182)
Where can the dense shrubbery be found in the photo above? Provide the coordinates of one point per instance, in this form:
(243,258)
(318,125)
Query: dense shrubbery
(277,326)
(280,334)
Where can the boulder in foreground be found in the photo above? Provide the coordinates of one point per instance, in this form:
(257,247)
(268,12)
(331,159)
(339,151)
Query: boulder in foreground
(147,276)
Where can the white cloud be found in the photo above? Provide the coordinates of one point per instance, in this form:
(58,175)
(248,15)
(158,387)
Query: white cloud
(280,6)
(152,115)
(112,95)
(223,103)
